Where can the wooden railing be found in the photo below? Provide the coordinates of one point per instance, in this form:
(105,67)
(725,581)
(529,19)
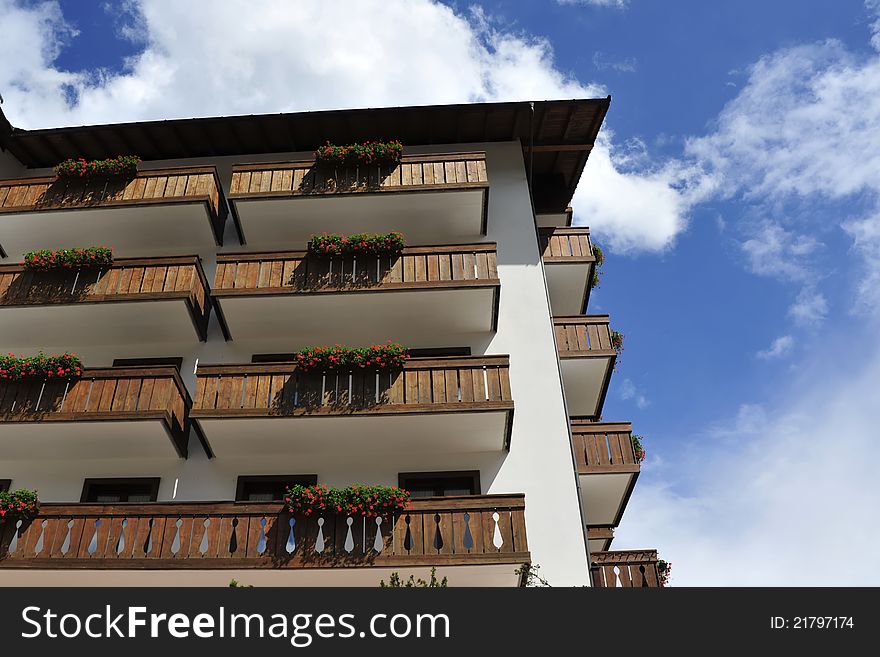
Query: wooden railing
(128,279)
(123,393)
(416,267)
(487,529)
(157,186)
(603,447)
(625,568)
(478,383)
(583,335)
(413,173)
(566,245)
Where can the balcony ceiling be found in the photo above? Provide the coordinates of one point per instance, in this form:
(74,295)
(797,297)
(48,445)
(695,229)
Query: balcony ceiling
(562,133)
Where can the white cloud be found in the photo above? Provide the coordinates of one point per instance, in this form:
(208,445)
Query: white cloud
(810,308)
(781,346)
(630,391)
(620,4)
(773,495)
(627,65)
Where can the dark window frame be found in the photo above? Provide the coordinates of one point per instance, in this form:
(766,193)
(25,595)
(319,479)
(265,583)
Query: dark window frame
(119,481)
(244,480)
(169,361)
(403,478)
(5,485)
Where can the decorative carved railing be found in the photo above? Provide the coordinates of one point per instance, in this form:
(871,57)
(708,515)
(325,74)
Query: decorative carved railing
(112,394)
(488,529)
(422,385)
(128,279)
(602,447)
(413,173)
(625,568)
(561,245)
(157,186)
(583,335)
(416,267)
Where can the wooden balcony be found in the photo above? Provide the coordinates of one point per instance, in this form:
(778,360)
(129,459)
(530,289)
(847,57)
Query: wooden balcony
(432,406)
(587,358)
(432,199)
(607,467)
(136,300)
(569,265)
(474,540)
(625,569)
(420,298)
(108,413)
(170,211)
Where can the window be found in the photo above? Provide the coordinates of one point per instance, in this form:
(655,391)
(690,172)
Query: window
(109,491)
(440,484)
(173,361)
(269,488)
(5,484)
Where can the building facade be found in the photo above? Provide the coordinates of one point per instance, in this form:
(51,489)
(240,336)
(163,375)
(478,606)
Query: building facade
(165,462)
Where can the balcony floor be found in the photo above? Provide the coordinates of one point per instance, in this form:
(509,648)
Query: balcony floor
(567,285)
(133,230)
(81,439)
(604,496)
(417,318)
(586,382)
(424,217)
(396,434)
(59,327)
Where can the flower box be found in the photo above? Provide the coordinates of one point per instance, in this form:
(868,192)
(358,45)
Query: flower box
(362,153)
(18,504)
(68,259)
(40,367)
(357,500)
(374,244)
(638,449)
(378,356)
(121,165)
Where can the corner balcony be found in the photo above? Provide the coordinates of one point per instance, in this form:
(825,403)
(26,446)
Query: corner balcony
(587,359)
(419,298)
(431,406)
(139,300)
(170,211)
(108,413)
(607,468)
(473,540)
(569,265)
(626,569)
(432,199)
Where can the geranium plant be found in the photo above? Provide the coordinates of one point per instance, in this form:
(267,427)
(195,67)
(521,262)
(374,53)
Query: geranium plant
(597,269)
(358,500)
(637,447)
(21,503)
(377,356)
(121,165)
(664,569)
(362,153)
(40,367)
(53,259)
(617,341)
(381,244)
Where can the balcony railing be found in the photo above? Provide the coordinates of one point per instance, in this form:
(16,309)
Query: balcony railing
(112,394)
(602,447)
(579,336)
(127,280)
(422,385)
(161,189)
(417,267)
(413,173)
(562,245)
(431,198)
(625,568)
(472,530)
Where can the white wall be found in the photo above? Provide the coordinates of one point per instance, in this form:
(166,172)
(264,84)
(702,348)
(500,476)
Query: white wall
(538,464)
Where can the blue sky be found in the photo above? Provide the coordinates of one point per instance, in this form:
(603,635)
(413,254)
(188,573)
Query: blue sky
(735,189)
